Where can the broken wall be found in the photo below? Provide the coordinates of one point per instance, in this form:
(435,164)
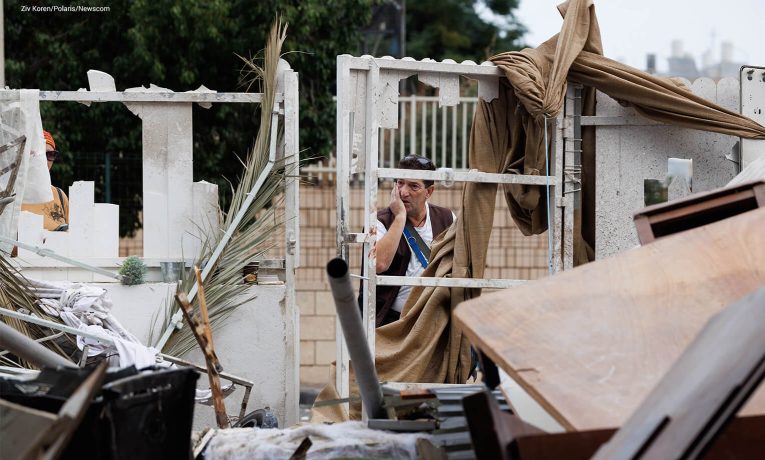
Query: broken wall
(254,343)
(630,149)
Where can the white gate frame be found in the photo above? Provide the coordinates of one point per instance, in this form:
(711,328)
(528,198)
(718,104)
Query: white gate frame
(367,100)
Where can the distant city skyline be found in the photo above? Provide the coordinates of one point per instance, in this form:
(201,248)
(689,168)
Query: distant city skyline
(632,29)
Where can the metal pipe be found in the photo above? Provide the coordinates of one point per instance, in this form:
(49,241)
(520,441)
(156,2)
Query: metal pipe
(44,252)
(26,348)
(353,330)
(55,326)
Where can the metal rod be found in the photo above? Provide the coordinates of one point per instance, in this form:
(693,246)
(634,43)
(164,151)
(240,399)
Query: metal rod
(26,348)
(447,282)
(48,253)
(142,96)
(42,340)
(227,376)
(54,325)
(245,400)
(353,330)
(64,328)
(465,176)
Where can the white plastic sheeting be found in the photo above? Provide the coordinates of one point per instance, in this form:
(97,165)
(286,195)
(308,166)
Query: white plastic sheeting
(88,308)
(20,116)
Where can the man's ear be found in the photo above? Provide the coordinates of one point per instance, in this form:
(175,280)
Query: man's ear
(430,191)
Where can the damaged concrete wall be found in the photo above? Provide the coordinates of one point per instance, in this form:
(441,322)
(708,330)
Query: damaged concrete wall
(254,343)
(627,154)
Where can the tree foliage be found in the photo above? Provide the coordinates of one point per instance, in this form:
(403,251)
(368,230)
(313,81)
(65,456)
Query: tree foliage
(441,29)
(453,29)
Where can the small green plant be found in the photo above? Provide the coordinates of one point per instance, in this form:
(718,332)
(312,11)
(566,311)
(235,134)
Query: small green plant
(132,271)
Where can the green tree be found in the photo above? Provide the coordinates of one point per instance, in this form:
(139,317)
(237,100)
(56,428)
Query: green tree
(453,29)
(444,29)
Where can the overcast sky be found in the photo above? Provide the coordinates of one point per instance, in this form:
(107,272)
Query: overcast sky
(632,28)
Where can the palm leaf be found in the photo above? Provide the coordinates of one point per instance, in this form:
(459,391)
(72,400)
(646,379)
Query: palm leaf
(252,237)
(15,295)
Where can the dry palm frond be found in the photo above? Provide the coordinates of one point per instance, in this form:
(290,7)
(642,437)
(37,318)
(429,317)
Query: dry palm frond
(252,237)
(15,295)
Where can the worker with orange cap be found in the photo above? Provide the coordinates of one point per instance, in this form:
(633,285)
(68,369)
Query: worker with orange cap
(56,212)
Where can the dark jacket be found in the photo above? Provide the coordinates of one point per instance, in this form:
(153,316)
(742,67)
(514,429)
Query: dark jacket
(440,220)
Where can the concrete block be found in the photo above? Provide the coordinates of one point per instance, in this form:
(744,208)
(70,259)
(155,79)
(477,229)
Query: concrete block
(206,216)
(325,351)
(106,230)
(728,93)
(325,304)
(314,375)
(307,353)
(155,235)
(81,219)
(34,273)
(57,242)
(167,177)
(629,154)
(30,231)
(317,328)
(306,302)
(75,275)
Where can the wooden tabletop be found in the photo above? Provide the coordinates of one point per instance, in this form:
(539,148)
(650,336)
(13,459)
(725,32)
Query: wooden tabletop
(590,343)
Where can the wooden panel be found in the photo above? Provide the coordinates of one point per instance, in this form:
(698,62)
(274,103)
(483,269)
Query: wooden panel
(590,343)
(702,391)
(696,210)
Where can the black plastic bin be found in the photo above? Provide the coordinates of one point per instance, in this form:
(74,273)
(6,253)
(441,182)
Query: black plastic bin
(146,415)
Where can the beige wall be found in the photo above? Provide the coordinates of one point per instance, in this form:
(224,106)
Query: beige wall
(511,255)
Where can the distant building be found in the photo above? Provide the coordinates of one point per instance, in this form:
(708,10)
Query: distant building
(682,64)
(726,67)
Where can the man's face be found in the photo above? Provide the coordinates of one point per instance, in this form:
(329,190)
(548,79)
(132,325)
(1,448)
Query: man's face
(48,148)
(414,194)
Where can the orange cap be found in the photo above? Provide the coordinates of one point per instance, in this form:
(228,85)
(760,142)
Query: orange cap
(49,139)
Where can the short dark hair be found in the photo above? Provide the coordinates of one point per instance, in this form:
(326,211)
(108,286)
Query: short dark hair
(418,162)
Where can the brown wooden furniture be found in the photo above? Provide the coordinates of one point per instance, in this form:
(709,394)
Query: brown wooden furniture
(514,439)
(704,389)
(589,344)
(688,415)
(664,219)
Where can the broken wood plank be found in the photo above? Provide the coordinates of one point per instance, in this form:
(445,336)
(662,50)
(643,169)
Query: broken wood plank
(664,219)
(590,343)
(201,333)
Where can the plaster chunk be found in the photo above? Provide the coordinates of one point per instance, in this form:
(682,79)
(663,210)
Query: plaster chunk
(100,81)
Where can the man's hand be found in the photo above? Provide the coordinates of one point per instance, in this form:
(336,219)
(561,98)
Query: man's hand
(396,205)
(385,248)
